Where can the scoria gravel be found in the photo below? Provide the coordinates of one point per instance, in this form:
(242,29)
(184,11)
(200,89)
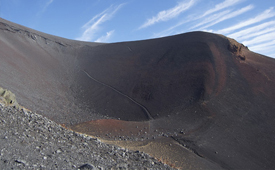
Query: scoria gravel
(31,141)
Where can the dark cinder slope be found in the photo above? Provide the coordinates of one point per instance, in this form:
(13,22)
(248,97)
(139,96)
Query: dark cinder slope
(208,93)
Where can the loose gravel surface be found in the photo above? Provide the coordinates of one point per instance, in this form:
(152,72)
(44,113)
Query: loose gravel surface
(31,141)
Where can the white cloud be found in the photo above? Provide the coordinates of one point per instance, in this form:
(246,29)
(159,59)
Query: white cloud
(258,33)
(265,15)
(226,17)
(49,2)
(93,26)
(44,7)
(220,6)
(246,33)
(106,37)
(260,39)
(225,4)
(263,46)
(212,18)
(47,5)
(166,15)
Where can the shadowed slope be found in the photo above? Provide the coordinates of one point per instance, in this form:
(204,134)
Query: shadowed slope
(40,69)
(207,95)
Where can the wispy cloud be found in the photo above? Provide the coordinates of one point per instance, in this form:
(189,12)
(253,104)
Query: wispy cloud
(220,6)
(212,18)
(260,39)
(264,46)
(48,3)
(253,31)
(231,15)
(256,32)
(265,31)
(106,37)
(93,26)
(223,5)
(265,15)
(166,15)
(44,7)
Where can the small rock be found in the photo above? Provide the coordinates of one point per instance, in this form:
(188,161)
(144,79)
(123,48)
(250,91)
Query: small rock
(86,166)
(20,161)
(58,151)
(122,166)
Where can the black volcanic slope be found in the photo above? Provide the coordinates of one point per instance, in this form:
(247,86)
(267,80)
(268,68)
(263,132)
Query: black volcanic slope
(206,92)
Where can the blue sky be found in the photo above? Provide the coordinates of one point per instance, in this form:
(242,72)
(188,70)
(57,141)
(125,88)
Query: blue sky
(251,22)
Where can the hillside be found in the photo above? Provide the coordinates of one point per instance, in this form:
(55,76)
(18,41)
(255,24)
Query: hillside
(206,99)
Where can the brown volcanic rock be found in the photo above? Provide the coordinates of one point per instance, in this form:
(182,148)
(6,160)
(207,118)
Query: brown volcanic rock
(207,93)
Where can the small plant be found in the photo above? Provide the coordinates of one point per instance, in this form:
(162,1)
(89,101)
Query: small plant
(7,98)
